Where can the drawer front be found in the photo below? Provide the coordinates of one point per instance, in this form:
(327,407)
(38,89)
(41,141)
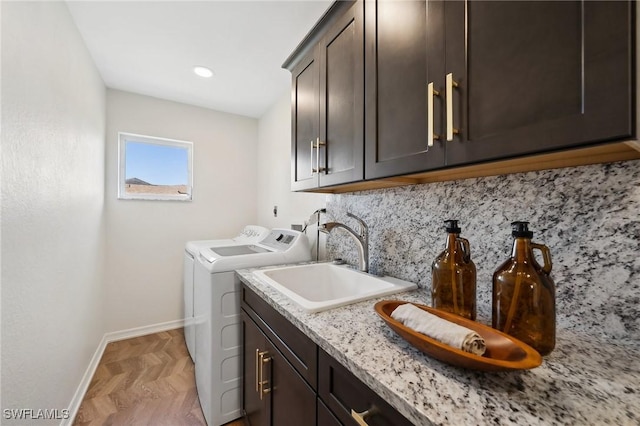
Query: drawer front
(295,346)
(342,392)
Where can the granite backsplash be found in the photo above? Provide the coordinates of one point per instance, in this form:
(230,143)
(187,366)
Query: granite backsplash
(588,216)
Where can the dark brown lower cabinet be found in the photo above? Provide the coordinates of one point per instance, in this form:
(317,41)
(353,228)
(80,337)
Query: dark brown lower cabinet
(274,392)
(256,409)
(289,381)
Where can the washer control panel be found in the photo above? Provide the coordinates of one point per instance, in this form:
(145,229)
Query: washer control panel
(252,232)
(281,239)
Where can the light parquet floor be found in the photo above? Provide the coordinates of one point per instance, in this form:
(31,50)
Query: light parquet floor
(146,380)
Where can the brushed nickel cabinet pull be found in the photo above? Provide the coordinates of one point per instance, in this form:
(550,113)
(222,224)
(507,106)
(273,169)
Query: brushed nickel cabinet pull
(431,92)
(451,83)
(361,418)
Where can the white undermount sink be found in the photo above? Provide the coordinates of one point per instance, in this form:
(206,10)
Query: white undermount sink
(321,286)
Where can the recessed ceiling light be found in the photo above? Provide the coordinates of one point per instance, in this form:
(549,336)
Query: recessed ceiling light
(203,71)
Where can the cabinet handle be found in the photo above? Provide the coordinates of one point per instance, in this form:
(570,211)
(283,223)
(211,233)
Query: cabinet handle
(318,155)
(431,92)
(311,158)
(257,368)
(451,83)
(361,418)
(317,146)
(263,359)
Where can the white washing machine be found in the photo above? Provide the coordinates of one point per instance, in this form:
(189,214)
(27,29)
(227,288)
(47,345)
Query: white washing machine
(250,234)
(217,316)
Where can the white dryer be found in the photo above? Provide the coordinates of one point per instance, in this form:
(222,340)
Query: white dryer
(250,234)
(217,316)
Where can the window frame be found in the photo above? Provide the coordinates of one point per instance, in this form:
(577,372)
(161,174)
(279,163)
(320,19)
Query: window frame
(123,138)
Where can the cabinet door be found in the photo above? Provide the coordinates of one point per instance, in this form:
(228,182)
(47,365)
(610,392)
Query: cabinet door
(304,123)
(342,99)
(256,408)
(274,393)
(537,76)
(397,71)
(293,402)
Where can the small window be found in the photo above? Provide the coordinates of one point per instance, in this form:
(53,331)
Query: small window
(154,168)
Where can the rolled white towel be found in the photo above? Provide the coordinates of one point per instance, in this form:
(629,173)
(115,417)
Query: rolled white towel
(439,329)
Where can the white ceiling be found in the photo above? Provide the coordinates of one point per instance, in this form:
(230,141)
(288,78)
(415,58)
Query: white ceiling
(151,47)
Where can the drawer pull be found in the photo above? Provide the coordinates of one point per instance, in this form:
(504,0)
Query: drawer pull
(431,92)
(361,418)
(263,358)
(451,83)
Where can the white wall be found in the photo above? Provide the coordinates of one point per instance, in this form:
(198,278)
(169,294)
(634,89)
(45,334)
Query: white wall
(53,121)
(146,239)
(274,171)
(0,207)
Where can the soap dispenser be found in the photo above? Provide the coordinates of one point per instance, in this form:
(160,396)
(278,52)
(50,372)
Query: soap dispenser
(453,285)
(524,293)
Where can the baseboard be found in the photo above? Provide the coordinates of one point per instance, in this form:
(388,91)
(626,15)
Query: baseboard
(84,383)
(113,336)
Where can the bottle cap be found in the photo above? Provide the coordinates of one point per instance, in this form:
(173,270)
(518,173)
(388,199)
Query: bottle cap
(521,229)
(451,226)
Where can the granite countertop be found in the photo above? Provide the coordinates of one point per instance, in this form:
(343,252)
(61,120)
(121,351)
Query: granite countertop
(583,381)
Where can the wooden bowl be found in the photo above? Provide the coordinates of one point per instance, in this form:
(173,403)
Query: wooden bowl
(503,352)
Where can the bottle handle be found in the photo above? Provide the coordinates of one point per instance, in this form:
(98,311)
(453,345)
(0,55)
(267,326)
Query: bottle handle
(465,248)
(546,256)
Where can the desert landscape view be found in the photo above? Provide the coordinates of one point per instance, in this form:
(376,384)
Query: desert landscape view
(138,186)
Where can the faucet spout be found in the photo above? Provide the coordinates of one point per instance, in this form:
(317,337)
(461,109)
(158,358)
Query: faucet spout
(361,238)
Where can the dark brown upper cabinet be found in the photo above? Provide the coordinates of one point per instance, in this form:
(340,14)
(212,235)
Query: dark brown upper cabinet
(534,76)
(328,106)
(489,80)
(389,93)
(304,122)
(398,117)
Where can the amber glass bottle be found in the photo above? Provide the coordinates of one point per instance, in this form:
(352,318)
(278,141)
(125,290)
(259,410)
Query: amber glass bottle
(453,285)
(524,301)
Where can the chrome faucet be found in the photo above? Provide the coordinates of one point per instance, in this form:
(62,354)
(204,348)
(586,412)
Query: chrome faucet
(361,238)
